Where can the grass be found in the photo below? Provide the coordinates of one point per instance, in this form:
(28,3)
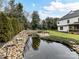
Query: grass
(64,35)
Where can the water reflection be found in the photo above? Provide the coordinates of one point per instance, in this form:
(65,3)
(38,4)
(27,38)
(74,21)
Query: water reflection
(48,41)
(41,49)
(35,43)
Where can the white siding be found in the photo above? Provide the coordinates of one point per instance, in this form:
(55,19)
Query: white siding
(65,29)
(64,22)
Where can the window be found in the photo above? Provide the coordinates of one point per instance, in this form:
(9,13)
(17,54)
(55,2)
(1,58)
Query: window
(68,21)
(61,28)
(77,27)
(58,22)
(78,19)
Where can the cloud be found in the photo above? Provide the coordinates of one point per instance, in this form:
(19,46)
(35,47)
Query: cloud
(58,9)
(33,4)
(62,6)
(44,14)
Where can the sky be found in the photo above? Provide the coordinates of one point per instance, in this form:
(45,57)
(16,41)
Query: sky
(50,8)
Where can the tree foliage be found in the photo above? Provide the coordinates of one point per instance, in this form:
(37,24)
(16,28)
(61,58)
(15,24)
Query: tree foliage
(35,20)
(12,22)
(49,23)
(1,4)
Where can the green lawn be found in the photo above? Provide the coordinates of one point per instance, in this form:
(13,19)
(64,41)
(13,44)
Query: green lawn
(65,35)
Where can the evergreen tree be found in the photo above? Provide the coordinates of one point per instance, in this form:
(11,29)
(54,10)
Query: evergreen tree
(4,28)
(12,22)
(44,24)
(49,23)
(1,2)
(35,20)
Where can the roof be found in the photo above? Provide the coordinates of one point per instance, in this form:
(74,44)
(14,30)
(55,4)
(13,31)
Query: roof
(71,14)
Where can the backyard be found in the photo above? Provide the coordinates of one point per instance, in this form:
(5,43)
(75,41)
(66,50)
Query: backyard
(64,35)
(29,29)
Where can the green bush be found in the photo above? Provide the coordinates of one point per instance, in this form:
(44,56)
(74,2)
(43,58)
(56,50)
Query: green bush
(9,26)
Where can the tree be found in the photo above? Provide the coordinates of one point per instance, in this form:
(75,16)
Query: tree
(55,23)
(44,24)
(17,13)
(35,20)
(1,4)
(5,28)
(25,22)
(20,16)
(29,26)
(50,23)
(13,22)
(12,4)
(12,7)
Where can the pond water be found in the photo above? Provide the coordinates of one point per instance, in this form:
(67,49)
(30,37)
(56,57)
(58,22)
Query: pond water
(41,49)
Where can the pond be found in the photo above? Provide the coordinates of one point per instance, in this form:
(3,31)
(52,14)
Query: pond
(41,49)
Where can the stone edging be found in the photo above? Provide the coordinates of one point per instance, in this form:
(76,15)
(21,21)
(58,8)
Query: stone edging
(14,48)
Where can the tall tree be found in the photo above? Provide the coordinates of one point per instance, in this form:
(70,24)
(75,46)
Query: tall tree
(25,22)
(12,21)
(1,4)
(44,24)
(11,4)
(50,23)
(5,28)
(35,20)
(55,23)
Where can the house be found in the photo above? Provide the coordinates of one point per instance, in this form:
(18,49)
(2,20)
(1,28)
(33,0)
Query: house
(69,22)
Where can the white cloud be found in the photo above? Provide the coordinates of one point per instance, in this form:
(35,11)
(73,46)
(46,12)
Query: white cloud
(33,4)
(58,9)
(44,14)
(61,6)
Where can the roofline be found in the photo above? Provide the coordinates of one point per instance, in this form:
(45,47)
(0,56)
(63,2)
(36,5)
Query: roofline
(67,18)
